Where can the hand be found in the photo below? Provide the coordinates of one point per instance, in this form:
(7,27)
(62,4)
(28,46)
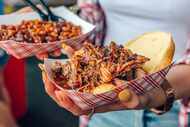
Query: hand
(135,102)
(6,118)
(4,97)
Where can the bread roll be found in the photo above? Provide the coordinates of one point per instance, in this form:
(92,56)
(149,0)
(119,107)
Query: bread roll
(158,46)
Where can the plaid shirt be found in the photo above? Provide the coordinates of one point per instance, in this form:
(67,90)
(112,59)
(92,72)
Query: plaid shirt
(92,12)
(185,108)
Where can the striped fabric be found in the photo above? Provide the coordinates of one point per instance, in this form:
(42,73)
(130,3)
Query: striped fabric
(92,12)
(185,107)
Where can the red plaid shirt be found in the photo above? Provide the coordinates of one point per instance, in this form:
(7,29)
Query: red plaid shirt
(92,12)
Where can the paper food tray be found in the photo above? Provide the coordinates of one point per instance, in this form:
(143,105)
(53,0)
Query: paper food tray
(88,101)
(23,50)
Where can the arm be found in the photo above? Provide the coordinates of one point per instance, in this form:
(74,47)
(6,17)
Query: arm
(6,118)
(179,78)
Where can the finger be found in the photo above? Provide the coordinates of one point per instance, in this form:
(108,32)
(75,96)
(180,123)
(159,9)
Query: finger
(42,56)
(49,87)
(67,103)
(127,96)
(68,49)
(56,53)
(132,102)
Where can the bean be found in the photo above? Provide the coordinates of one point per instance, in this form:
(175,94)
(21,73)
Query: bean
(39,31)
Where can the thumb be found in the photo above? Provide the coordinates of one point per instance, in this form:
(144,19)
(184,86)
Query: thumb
(68,50)
(124,95)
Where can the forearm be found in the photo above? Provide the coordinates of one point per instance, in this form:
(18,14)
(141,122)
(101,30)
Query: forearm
(179,78)
(1,84)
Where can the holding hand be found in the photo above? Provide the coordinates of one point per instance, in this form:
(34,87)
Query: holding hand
(134,102)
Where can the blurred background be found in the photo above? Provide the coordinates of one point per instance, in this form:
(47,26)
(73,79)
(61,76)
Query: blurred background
(41,110)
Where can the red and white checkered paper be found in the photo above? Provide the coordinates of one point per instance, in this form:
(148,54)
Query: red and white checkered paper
(24,49)
(88,101)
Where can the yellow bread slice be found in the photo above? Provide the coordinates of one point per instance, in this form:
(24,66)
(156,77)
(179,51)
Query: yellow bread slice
(158,46)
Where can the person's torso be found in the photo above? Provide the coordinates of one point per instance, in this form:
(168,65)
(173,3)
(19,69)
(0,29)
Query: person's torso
(130,18)
(136,118)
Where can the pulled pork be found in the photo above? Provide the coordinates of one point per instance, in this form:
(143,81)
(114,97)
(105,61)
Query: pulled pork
(92,65)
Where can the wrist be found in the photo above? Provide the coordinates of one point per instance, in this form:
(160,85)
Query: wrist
(169,93)
(156,98)
(152,99)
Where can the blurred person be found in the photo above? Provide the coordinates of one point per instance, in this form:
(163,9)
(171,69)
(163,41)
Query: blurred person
(136,17)
(13,102)
(14,72)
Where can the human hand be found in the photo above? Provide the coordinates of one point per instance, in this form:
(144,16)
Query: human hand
(6,118)
(4,97)
(134,102)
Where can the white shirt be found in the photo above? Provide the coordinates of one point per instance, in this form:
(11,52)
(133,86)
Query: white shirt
(127,19)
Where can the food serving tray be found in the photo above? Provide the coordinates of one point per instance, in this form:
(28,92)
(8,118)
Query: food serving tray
(24,49)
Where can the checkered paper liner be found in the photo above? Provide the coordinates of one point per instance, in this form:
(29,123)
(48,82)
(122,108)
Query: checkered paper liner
(87,101)
(23,49)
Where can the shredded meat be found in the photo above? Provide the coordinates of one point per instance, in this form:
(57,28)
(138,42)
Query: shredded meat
(93,65)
